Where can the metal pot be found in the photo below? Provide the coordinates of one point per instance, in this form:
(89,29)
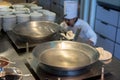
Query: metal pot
(36,31)
(65,56)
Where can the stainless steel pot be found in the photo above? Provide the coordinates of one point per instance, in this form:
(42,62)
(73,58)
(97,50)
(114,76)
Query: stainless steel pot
(36,30)
(65,56)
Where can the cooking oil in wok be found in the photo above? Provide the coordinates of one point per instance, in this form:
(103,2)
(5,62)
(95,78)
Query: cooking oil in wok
(65,58)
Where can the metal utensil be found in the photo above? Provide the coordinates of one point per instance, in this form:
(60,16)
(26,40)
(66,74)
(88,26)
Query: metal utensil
(102,73)
(25,75)
(71,56)
(77,34)
(36,30)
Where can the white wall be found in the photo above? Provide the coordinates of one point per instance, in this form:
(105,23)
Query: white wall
(87,11)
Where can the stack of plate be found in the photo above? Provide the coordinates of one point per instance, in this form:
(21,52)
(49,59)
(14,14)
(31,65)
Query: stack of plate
(49,16)
(28,5)
(5,10)
(105,56)
(20,9)
(18,6)
(9,21)
(35,8)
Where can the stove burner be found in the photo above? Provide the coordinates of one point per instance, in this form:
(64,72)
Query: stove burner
(94,73)
(18,42)
(57,72)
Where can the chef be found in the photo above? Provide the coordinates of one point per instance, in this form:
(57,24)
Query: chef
(73,23)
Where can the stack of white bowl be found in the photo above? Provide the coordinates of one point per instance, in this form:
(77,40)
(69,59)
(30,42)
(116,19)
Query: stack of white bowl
(20,9)
(10,17)
(35,8)
(29,5)
(22,18)
(5,10)
(35,16)
(9,21)
(49,16)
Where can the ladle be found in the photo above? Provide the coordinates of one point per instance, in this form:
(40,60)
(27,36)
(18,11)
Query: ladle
(24,74)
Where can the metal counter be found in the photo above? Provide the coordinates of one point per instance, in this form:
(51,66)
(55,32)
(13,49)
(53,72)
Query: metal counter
(8,51)
(111,71)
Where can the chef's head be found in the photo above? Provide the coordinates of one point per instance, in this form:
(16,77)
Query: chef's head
(70,11)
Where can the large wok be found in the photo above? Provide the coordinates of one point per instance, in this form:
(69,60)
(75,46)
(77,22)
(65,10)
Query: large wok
(65,56)
(36,30)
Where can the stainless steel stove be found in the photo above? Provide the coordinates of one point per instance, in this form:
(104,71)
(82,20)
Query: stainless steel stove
(18,42)
(94,73)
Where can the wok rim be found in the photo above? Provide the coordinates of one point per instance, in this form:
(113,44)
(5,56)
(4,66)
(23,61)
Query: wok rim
(63,68)
(30,22)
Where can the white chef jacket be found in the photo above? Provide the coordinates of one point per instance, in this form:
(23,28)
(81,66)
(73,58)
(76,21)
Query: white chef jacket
(86,32)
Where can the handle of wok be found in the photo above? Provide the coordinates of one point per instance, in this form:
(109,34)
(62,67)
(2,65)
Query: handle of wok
(77,34)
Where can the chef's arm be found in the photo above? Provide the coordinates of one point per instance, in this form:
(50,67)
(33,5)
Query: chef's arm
(90,43)
(92,37)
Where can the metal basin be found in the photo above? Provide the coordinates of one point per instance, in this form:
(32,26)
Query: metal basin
(65,55)
(36,30)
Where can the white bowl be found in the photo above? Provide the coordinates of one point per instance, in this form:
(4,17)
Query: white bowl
(4,7)
(23,15)
(19,12)
(23,18)
(35,8)
(36,14)
(18,6)
(9,16)
(5,13)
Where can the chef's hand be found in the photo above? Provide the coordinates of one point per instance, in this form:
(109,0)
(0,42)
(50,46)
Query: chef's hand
(69,35)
